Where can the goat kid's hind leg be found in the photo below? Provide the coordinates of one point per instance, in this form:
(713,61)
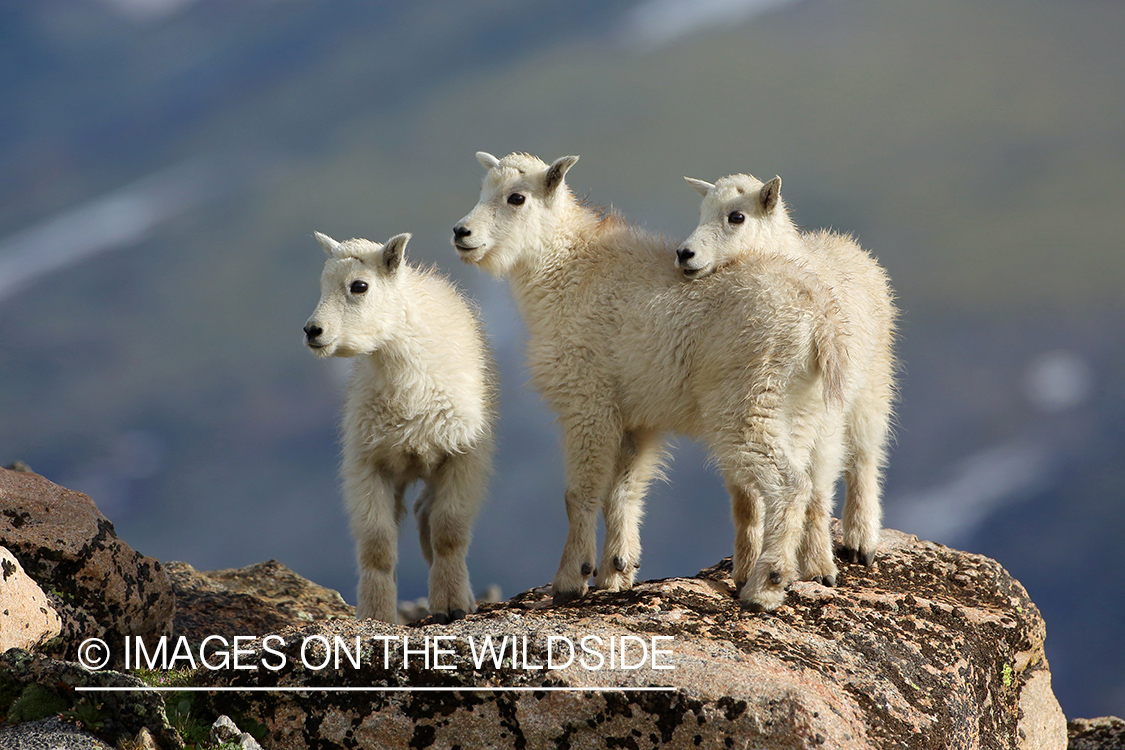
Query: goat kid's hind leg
(638,461)
(373,508)
(863,511)
(422,508)
(785,492)
(777,565)
(457,491)
(591,444)
(815,556)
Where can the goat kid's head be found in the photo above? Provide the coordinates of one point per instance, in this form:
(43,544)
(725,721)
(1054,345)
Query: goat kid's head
(521,204)
(361,299)
(739,213)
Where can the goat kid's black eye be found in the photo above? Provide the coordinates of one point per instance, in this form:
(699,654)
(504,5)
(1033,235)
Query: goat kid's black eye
(358,287)
(516,199)
(736,217)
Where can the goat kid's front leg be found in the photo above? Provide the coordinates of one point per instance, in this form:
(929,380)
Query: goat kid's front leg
(591,450)
(458,489)
(638,461)
(372,508)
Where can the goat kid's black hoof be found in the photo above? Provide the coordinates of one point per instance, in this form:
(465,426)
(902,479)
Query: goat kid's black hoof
(856,556)
(562,597)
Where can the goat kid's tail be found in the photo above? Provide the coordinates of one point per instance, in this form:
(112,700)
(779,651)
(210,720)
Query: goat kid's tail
(830,342)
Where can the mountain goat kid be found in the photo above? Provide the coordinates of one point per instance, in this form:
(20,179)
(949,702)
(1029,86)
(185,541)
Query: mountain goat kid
(420,406)
(743,219)
(624,348)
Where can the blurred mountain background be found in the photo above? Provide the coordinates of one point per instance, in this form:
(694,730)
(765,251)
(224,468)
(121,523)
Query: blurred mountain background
(164,163)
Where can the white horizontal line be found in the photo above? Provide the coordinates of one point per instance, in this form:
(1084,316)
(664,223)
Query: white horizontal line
(466,689)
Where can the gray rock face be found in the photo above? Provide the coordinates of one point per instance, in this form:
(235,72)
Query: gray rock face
(33,687)
(930,648)
(27,619)
(224,731)
(1104,733)
(101,586)
(52,734)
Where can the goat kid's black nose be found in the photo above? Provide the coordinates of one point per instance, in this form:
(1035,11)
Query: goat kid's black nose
(685,254)
(461,231)
(311,331)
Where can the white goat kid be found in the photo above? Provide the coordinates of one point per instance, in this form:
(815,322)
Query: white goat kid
(624,349)
(743,218)
(420,405)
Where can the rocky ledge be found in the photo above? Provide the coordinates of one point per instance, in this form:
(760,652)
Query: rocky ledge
(930,648)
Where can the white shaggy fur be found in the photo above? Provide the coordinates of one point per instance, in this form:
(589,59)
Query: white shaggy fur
(420,406)
(624,349)
(742,220)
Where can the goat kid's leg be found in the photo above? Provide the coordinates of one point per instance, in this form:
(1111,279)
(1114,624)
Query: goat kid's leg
(746,512)
(862,518)
(423,506)
(591,444)
(815,556)
(767,469)
(777,565)
(457,491)
(638,460)
(372,508)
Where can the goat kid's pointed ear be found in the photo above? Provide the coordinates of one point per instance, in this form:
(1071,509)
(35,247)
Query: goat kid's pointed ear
(330,245)
(394,251)
(487,160)
(770,194)
(557,171)
(702,187)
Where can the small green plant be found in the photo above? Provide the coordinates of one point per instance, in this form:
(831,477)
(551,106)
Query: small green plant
(166,678)
(1006,675)
(194,730)
(86,713)
(179,707)
(36,702)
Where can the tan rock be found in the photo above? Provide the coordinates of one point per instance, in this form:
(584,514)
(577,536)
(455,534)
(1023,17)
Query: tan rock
(27,618)
(104,587)
(255,600)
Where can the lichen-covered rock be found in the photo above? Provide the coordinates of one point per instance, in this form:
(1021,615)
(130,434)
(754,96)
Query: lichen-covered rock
(101,587)
(255,600)
(1104,733)
(33,687)
(930,648)
(27,618)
